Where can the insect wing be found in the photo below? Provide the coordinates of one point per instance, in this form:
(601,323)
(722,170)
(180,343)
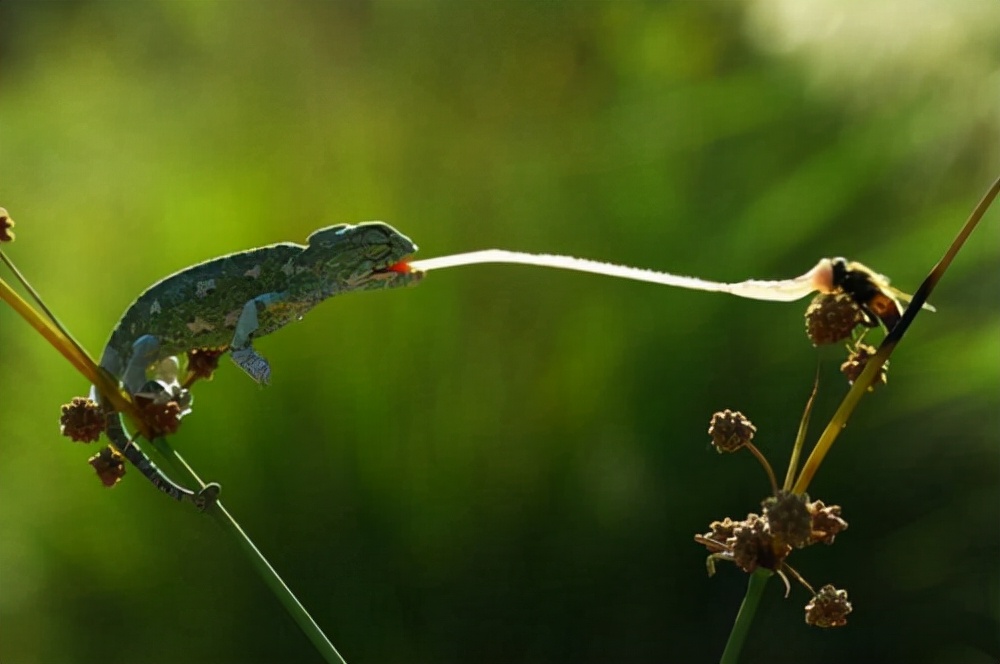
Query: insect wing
(905,297)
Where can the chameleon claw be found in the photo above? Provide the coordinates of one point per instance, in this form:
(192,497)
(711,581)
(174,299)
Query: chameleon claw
(207,497)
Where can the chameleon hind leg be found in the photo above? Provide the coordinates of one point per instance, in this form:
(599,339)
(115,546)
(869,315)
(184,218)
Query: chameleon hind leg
(243,353)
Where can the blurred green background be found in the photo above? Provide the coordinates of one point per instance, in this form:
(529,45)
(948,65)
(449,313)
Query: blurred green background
(505,463)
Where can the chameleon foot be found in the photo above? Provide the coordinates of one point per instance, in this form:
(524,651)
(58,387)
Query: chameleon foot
(207,497)
(255,365)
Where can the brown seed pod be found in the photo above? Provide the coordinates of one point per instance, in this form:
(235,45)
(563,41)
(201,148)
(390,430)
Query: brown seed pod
(826,522)
(788,518)
(831,317)
(829,608)
(82,420)
(856,362)
(109,464)
(730,430)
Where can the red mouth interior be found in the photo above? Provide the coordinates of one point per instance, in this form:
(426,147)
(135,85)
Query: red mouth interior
(402,266)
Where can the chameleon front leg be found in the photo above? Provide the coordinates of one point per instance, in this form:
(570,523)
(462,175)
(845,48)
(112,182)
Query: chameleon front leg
(143,353)
(243,353)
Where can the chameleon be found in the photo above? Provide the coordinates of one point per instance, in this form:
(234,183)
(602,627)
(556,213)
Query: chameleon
(229,301)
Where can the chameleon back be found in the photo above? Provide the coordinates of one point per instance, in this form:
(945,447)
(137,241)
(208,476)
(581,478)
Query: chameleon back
(199,306)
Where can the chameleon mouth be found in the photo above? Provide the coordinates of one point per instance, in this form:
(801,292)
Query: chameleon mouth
(397,272)
(400,267)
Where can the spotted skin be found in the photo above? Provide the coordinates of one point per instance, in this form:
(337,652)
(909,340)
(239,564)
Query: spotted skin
(229,301)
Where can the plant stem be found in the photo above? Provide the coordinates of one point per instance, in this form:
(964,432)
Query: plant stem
(41,304)
(267,573)
(800,437)
(748,609)
(867,377)
(767,467)
(48,330)
(53,332)
(61,340)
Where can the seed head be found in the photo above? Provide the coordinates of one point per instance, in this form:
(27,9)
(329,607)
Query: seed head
(831,317)
(719,533)
(788,518)
(857,360)
(730,430)
(829,608)
(826,521)
(162,406)
(753,545)
(163,418)
(109,464)
(82,420)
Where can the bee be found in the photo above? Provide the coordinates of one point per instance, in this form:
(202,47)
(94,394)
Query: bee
(870,291)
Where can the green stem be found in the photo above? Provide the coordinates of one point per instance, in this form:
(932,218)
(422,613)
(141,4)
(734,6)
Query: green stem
(867,377)
(53,331)
(800,437)
(748,609)
(270,577)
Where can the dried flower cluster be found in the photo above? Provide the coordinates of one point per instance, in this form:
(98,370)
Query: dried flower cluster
(857,360)
(730,431)
(788,521)
(162,406)
(109,464)
(82,420)
(832,317)
(828,608)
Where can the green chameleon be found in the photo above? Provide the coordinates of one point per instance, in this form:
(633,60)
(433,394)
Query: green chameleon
(229,301)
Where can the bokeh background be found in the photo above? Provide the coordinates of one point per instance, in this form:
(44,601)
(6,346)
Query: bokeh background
(506,463)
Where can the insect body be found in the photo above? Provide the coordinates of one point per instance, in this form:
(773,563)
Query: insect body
(229,301)
(872,293)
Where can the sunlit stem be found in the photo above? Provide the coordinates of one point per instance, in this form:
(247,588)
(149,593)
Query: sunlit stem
(60,339)
(48,330)
(800,437)
(41,303)
(767,466)
(874,365)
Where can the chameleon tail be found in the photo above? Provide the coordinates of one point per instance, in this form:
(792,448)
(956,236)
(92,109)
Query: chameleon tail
(116,432)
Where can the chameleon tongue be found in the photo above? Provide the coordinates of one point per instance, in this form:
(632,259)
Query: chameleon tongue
(785,290)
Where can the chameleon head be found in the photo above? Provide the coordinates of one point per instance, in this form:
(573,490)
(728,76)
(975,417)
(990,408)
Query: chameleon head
(365,256)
